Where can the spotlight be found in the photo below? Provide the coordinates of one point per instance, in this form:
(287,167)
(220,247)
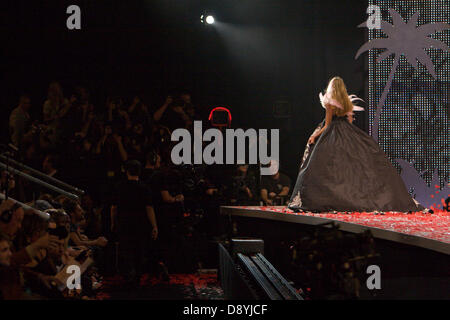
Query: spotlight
(207,17)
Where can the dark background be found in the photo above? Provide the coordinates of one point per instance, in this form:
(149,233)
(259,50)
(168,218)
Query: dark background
(258,51)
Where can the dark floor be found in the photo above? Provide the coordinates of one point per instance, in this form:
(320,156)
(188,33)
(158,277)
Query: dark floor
(180,287)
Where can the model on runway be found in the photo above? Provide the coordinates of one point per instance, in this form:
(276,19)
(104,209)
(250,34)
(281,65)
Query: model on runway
(343,168)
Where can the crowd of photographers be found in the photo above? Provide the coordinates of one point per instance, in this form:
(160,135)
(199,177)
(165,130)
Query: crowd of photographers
(139,213)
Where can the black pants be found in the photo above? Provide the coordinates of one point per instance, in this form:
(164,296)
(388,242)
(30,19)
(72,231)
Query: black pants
(132,253)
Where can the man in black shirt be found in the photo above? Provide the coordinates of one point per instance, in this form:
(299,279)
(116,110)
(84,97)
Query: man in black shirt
(131,211)
(275,187)
(152,176)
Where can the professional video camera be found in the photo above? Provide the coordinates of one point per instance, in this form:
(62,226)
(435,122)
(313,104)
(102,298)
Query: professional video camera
(193,177)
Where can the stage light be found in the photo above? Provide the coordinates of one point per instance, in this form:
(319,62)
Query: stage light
(209,19)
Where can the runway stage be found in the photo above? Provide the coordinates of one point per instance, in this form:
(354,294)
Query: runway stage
(414,249)
(429,231)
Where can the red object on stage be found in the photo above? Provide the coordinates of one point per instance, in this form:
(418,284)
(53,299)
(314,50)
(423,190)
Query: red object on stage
(434,226)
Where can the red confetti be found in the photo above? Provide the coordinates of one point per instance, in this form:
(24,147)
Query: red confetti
(434,226)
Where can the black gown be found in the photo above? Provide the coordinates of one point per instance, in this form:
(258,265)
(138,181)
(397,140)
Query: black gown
(345,170)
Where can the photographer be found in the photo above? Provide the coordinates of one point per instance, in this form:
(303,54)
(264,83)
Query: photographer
(112,150)
(136,142)
(138,111)
(243,187)
(188,106)
(117,113)
(19,121)
(173,115)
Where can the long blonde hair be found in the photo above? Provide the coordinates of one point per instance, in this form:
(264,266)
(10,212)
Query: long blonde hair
(337,90)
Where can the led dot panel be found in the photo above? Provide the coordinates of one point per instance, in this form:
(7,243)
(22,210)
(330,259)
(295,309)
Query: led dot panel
(414,124)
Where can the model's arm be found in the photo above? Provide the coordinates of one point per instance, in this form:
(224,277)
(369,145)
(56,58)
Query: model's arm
(328,118)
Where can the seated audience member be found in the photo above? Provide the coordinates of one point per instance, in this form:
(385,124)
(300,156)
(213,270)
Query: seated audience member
(132,215)
(40,272)
(60,225)
(77,238)
(77,243)
(5,252)
(58,201)
(5,263)
(42,205)
(19,120)
(275,188)
(62,220)
(11,217)
(8,183)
